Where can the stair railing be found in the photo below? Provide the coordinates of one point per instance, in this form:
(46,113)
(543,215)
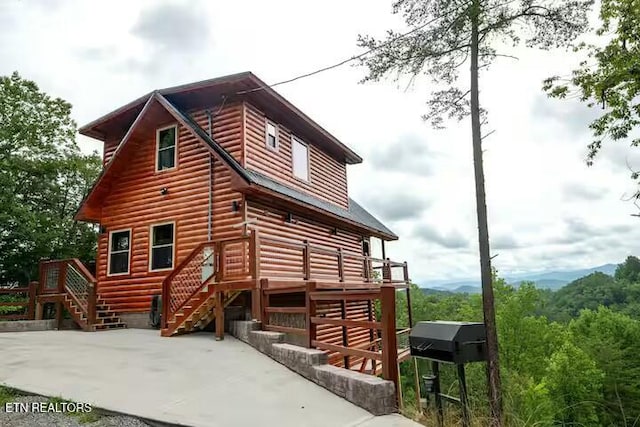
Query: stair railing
(217,260)
(70,277)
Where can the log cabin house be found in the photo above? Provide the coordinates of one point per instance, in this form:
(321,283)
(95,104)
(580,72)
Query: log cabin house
(221,194)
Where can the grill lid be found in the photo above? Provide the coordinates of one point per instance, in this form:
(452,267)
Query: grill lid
(456,342)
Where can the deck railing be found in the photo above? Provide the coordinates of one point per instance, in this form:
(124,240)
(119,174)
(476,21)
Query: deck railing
(16,299)
(306,261)
(387,345)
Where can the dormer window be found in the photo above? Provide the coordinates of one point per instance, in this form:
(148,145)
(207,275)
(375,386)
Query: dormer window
(166,148)
(300,158)
(271,136)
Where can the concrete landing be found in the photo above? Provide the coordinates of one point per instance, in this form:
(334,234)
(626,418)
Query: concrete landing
(190,380)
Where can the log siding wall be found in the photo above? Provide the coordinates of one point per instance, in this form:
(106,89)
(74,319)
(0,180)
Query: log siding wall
(135,202)
(327,176)
(270,223)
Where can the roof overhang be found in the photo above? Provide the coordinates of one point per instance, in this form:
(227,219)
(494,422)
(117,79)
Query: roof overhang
(241,86)
(282,201)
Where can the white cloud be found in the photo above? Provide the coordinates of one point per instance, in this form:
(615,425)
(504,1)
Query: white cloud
(546,208)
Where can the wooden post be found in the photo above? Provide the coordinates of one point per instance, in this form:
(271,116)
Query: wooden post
(39,311)
(62,276)
(59,307)
(254,267)
(389,338)
(219,315)
(306,256)
(42,278)
(386,271)
(340,265)
(257,301)
(345,333)
(405,271)
(166,301)
(372,335)
(33,291)
(310,312)
(367,269)
(265,301)
(91,305)
(222,264)
(254,255)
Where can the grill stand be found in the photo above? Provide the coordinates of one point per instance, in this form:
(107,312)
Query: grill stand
(432,385)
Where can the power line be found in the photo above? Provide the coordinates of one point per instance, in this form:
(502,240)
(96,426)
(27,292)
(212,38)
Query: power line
(346,61)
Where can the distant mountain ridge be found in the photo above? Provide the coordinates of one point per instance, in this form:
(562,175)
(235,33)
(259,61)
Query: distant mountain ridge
(546,280)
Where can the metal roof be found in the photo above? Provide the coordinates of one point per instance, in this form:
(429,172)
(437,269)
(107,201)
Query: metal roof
(355,213)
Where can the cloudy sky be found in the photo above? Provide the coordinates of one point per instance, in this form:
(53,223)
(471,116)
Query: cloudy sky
(547,209)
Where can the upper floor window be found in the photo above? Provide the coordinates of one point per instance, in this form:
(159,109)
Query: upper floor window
(119,252)
(271,136)
(166,148)
(300,158)
(161,250)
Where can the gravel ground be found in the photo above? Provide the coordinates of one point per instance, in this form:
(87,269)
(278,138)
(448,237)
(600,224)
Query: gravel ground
(30,419)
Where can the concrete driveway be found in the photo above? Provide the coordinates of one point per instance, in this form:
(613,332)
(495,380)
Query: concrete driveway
(190,380)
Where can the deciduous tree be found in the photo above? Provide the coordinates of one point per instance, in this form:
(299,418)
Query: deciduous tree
(43,177)
(609,77)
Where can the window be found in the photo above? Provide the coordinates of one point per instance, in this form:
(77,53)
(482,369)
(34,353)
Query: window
(162,241)
(272,136)
(119,252)
(300,155)
(167,140)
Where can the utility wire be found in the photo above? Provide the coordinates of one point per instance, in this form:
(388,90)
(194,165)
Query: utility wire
(353,58)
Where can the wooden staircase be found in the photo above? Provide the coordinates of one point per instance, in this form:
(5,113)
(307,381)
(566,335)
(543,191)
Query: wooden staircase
(105,317)
(198,312)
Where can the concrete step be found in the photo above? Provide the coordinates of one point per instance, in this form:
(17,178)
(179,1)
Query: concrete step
(107,326)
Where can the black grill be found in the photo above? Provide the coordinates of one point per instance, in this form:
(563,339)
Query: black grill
(449,342)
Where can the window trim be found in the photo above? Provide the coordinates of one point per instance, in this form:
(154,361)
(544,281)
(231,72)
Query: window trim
(266,135)
(175,151)
(293,172)
(151,247)
(109,273)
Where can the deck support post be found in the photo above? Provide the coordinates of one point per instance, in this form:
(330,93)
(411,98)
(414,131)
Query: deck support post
(219,316)
(59,308)
(31,310)
(310,312)
(390,369)
(39,311)
(91,306)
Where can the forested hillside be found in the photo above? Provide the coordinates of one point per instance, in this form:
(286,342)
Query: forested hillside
(569,357)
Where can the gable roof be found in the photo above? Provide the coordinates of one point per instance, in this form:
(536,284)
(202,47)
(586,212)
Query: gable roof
(234,86)
(356,215)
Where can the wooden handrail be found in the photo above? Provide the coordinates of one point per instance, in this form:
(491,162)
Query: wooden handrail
(219,272)
(85,272)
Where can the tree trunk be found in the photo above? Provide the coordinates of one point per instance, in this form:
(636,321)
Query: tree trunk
(493,367)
